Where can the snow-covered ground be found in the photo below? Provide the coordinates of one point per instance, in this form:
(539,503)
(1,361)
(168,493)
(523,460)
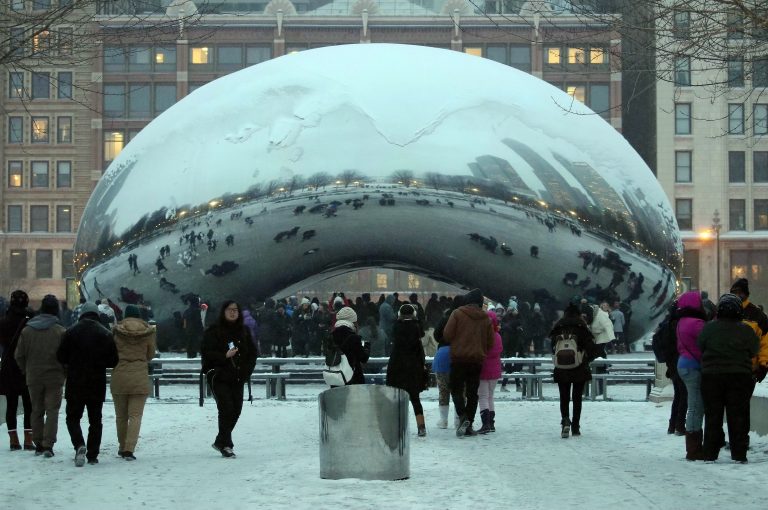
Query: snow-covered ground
(623,460)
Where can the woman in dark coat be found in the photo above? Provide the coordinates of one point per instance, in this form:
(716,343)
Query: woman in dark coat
(405,369)
(228,357)
(344,336)
(571,381)
(12,382)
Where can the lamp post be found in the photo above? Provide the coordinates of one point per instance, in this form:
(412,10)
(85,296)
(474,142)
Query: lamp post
(716,226)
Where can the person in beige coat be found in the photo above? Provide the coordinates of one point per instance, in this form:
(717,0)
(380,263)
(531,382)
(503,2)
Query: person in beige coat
(36,356)
(135,340)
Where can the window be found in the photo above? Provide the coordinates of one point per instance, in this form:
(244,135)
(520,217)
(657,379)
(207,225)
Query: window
(496,53)
(735,119)
(44,263)
(684,213)
(17,5)
(600,99)
(17,42)
(735,72)
(64,130)
(15,218)
(200,56)
(165,59)
(139,59)
(683,71)
(683,118)
(114,141)
(683,166)
(64,86)
(41,85)
(475,51)
(413,281)
(520,57)
(38,218)
(114,58)
(63,218)
(66,41)
(41,43)
(578,92)
(257,54)
(139,100)
(15,174)
(576,56)
(15,129)
(114,100)
(737,214)
(761,214)
(229,57)
(760,72)
(598,56)
(554,56)
(41,4)
(736,166)
(16,85)
(381,281)
(735,24)
(760,119)
(39,174)
(18,264)
(760,166)
(165,96)
(64,174)
(681,25)
(40,132)
(67,264)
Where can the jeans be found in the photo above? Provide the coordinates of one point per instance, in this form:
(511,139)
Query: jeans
(679,403)
(695,415)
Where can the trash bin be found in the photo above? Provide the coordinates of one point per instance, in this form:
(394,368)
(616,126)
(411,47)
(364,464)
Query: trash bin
(364,433)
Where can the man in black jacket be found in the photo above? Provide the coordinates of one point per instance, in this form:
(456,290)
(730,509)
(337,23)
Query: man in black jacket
(87,349)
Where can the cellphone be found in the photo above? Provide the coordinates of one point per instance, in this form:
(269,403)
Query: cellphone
(231,345)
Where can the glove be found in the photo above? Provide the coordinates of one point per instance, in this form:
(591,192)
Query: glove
(760,373)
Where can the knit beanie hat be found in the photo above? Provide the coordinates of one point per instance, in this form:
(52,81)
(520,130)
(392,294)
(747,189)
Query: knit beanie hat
(304,301)
(729,307)
(132,311)
(741,285)
(19,299)
(346,317)
(50,305)
(474,297)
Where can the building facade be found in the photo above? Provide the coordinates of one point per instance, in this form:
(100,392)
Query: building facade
(56,146)
(712,128)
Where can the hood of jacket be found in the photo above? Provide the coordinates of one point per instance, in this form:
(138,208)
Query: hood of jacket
(690,300)
(133,329)
(42,321)
(390,300)
(473,312)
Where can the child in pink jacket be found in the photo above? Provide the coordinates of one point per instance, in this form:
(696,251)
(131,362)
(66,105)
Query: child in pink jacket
(489,374)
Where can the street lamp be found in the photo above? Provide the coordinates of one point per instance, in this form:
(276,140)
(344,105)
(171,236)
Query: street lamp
(716,226)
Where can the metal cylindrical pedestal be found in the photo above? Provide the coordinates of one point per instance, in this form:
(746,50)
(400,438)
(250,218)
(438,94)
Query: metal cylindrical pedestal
(364,433)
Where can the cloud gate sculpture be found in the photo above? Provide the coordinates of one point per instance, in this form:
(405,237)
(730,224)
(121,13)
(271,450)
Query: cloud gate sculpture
(443,164)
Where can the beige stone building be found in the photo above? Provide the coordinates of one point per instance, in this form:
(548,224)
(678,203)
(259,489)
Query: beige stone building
(54,148)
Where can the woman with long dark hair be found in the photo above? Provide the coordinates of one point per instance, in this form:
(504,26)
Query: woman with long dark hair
(228,357)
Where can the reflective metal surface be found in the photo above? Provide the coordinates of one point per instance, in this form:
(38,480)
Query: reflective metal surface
(431,161)
(364,433)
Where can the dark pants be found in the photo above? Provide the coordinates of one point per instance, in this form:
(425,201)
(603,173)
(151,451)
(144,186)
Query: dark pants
(566,389)
(229,402)
(464,380)
(679,403)
(12,401)
(193,345)
(74,412)
(416,403)
(729,393)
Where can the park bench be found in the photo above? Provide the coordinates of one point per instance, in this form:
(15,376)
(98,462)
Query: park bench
(610,377)
(532,387)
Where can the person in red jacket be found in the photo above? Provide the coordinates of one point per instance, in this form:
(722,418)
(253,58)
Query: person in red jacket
(470,334)
(490,373)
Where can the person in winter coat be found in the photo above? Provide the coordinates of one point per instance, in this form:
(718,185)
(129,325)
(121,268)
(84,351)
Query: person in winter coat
(691,319)
(759,322)
(433,312)
(36,356)
(304,327)
(679,407)
(489,374)
(136,345)
(228,359)
(470,334)
(12,382)
(602,329)
(727,348)
(571,381)
(387,320)
(282,328)
(344,336)
(441,366)
(375,336)
(406,368)
(87,350)
(253,327)
(267,327)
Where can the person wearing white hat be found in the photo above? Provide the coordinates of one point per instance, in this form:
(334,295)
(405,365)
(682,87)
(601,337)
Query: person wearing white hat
(345,337)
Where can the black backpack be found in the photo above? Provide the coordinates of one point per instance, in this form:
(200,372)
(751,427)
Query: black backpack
(664,342)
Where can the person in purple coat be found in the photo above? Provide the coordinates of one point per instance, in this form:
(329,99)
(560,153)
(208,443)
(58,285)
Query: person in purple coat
(692,317)
(489,375)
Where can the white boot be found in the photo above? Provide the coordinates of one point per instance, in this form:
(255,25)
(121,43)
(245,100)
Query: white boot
(443,422)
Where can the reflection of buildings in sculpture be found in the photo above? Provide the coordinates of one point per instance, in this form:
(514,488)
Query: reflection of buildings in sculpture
(497,169)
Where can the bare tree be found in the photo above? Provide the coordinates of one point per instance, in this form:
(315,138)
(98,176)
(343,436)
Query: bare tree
(319,180)
(434,180)
(404,177)
(347,177)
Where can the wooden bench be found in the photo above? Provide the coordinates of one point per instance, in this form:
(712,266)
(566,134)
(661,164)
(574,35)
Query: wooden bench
(532,383)
(606,378)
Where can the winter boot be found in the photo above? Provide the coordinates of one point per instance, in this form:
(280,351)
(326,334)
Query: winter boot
(422,428)
(485,417)
(14,437)
(693,445)
(493,421)
(575,429)
(443,421)
(565,431)
(28,443)
(470,431)
(464,424)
